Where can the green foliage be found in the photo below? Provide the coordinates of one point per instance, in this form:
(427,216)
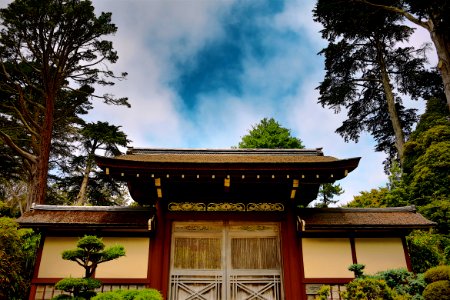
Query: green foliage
(17,256)
(327,192)
(437,274)
(90,252)
(438,211)
(438,279)
(426,250)
(373,198)
(269,134)
(79,287)
(144,294)
(394,194)
(404,282)
(94,137)
(368,288)
(429,177)
(66,297)
(438,290)
(433,16)
(52,53)
(13,194)
(357,269)
(426,164)
(367,70)
(323,292)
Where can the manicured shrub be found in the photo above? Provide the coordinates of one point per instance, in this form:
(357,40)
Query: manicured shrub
(78,287)
(90,252)
(144,294)
(426,250)
(404,282)
(357,269)
(438,290)
(368,288)
(323,293)
(437,274)
(63,297)
(17,256)
(67,297)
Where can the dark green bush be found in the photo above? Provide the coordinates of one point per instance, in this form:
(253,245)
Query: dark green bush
(323,293)
(67,297)
(78,287)
(144,294)
(17,256)
(437,273)
(63,297)
(426,250)
(368,288)
(357,269)
(403,282)
(438,290)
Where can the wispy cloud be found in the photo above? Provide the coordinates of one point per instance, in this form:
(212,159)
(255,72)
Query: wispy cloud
(202,72)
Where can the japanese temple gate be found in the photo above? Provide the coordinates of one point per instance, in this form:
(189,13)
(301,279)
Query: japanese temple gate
(225,224)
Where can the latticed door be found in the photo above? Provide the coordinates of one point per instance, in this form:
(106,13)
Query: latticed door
(213,260)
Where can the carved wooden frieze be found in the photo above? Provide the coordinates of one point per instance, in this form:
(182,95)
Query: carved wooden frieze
(265,207)
(186,206)
(224,206)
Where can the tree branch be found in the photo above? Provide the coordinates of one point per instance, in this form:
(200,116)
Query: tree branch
(8,141)
(400,11)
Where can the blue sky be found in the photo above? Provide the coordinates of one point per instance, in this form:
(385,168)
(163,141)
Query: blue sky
(202,72)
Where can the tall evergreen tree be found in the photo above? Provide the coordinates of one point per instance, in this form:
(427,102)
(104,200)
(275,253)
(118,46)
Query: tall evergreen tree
(97,136)
(427,164)
(327,192)
(269,134)
(367,71)
(433,16)
(48,49)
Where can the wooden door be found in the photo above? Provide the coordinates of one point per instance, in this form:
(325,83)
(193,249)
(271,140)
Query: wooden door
(229,261)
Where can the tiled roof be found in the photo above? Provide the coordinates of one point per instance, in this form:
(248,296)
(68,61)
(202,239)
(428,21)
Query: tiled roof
(226,155)
(115,218)
(364,218)
(87,217)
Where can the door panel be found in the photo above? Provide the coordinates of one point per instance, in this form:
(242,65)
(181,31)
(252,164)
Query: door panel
(215,260)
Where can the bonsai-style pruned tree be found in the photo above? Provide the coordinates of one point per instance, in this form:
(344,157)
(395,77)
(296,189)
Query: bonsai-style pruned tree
(90,252)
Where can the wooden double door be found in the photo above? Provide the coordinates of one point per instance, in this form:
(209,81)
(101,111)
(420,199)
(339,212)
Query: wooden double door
(225,261)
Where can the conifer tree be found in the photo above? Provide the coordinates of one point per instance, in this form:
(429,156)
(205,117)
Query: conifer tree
(367,72)
(47,49)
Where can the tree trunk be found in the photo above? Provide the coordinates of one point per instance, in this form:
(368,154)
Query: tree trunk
(396,125)
(443,53)
(81,197)
(40,170)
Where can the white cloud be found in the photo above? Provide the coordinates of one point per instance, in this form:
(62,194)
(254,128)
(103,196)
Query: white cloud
(154,35)
(316,126)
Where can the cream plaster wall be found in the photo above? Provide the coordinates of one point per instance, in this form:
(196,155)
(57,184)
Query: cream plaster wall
(380,254)
(327,257)
(133,265)
(52,265)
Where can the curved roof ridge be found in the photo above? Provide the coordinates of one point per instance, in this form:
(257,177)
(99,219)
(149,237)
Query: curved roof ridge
(87,208)
(259,151)
(409,208)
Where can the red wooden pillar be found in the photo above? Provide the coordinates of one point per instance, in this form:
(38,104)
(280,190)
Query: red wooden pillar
(157,266)
(37,264)
(407,257)
(292,259)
